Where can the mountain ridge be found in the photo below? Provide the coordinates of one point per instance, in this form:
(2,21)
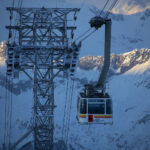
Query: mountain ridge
(119,63)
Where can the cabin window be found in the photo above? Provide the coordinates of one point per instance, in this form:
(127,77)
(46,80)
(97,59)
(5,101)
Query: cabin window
(78,104)
(96,108)
(108,107)
(83,106)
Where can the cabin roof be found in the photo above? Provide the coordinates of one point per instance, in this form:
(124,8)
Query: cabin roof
(95,95)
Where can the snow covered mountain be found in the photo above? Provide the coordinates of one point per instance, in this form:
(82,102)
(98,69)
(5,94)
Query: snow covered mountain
(122,6)
(131,101)
(119,63)
(131,6)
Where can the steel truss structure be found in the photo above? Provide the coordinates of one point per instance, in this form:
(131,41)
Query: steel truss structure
(41,46)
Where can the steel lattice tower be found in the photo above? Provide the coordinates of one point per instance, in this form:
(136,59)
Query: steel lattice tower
(41,50)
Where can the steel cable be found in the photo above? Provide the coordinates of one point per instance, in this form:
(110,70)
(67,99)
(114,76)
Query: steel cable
(65,107)
(68,126)
(104,7)
(68,111)
(82,34)
(10,124)
(8,113)
(90,28)
(5,121)
(111,7)
(87,35)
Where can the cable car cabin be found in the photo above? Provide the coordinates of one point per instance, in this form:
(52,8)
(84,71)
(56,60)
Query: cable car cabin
(94,105)
(94,109)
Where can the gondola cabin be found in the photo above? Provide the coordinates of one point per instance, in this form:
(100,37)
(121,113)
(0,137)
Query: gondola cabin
(94,104)
(95,108)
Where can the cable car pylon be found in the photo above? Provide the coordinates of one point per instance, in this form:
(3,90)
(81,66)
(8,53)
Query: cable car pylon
(41,50)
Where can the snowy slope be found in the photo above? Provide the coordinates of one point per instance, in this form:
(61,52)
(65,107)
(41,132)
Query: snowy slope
(140,68)
(131,102)
(141,73)
(131,118)
(119,63)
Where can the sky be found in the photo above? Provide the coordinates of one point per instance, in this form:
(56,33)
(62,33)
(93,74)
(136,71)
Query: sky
(123,6)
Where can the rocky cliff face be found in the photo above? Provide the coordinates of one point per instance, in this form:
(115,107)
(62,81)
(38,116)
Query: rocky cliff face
(119,63)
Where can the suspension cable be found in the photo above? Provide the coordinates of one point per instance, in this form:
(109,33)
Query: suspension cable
(5,128)
(82,4)
(108,12)
(21,3)
(111,7)
(68,110)
(13,3)
(8,99)
(90,28)
(10,125)
(82,34)
(104,7)
(8,113)
(88,35)
(67,86)
(67,113)
(68,126)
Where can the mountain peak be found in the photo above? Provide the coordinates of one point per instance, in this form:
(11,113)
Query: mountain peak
(129,7)
(119,63)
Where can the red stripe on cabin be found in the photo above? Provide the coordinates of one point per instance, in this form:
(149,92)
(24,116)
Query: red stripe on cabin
(82,116)
(102,116)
